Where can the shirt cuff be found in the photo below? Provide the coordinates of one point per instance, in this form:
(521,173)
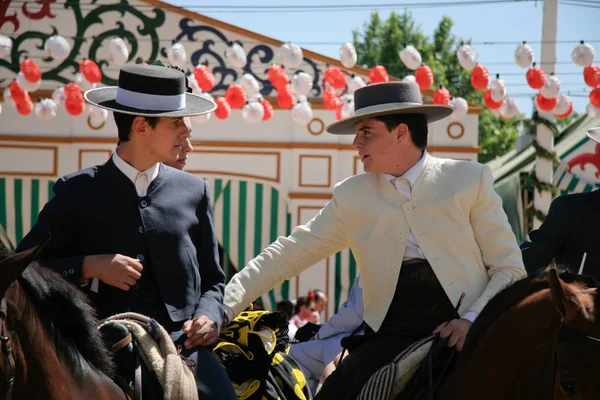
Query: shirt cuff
(228,313)
(471,316)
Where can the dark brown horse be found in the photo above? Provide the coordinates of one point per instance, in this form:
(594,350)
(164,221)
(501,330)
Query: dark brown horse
(538,339)
(50,345)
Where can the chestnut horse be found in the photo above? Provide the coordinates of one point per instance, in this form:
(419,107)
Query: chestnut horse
(537,339)
(49,342)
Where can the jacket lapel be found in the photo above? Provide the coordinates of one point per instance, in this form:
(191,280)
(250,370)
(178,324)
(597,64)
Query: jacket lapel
(427,186)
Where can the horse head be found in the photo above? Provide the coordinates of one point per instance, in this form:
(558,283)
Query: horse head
(577,348)
(13,266)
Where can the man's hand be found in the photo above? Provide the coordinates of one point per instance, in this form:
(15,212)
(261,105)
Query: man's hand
(200,331)
(113,269)
(457,330)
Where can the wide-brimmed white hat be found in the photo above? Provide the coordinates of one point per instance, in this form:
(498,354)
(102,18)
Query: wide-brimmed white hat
(399,97)
(594,134)
(150,91)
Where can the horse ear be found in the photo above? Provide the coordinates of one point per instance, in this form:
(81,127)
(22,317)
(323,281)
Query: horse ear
(564,300)
(13,266)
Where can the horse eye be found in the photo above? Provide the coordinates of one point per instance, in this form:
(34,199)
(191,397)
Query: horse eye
(567,386)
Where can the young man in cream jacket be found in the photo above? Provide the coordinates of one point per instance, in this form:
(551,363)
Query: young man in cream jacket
(423,230)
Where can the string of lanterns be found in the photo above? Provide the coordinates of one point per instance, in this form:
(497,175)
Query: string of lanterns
(338,85)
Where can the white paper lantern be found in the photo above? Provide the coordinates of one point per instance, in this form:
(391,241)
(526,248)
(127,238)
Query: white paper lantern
(25,84)
(250,85)
(236,55)
(347,110)
(510,108)
(355,82)
(8,97)
(57,47)
(59,96)
(253,112)
(119,51)
(348,55)
(563,104)
(409,78)
(5,46)
(461,108)
(302,83)
(498,89)
(193,82)
(302,113)
(592,111)
(467,57)
(290,55)
(411,57)
(551,88)
(583,55)
(83,83)
(45,109)
(97,115)
(524,55)
(177,55)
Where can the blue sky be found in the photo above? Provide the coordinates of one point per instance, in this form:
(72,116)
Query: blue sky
(505,22)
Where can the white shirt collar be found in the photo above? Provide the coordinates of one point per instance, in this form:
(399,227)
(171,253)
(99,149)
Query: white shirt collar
(413,173)
(131,172)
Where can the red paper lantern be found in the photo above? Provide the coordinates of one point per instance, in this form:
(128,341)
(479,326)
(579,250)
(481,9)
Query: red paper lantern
(441,96)
(595,97)
(536,77)
(223,108)
(268,109)
(278,77)
(205,78)
(17,93)
(378,74)
(31,71)
(424,77)
(545,104)
(25,107)
(285,97)
(489,103)
(591,75)
(235,96)
(90,70)
(72,90)
(330,99)
(75,105)
(338,111)
(480,77)
(335,77)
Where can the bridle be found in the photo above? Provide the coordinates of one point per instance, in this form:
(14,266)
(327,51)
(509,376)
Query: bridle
(8,375)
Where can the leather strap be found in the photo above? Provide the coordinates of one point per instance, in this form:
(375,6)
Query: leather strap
(121,343)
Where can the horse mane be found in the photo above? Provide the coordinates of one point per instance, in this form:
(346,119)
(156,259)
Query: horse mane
(69,320)
(510,297)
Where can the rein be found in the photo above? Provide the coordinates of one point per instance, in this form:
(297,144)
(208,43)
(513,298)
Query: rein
(7,378)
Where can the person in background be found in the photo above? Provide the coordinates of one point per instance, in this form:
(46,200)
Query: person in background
(313,356)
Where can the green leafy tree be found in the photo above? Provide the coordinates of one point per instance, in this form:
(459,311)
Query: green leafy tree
(380,42)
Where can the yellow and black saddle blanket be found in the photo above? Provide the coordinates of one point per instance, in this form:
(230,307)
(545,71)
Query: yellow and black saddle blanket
(253,350)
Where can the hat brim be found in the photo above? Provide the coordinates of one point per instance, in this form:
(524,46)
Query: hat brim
(433,112)
(104,97)
(594,134)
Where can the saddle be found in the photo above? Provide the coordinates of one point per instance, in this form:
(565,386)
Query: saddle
(415,374)
(149,366)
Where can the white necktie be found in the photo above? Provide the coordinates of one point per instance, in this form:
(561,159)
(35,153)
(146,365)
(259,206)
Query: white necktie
(141,184)
(402,185)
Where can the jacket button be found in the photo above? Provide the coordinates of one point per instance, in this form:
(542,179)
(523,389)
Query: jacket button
(395,266)
(141,229)
(401,238)
(144,203)
(140,257)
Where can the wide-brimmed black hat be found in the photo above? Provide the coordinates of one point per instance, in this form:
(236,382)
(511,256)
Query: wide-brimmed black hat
(594,134)
(150,91)
(399,97)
